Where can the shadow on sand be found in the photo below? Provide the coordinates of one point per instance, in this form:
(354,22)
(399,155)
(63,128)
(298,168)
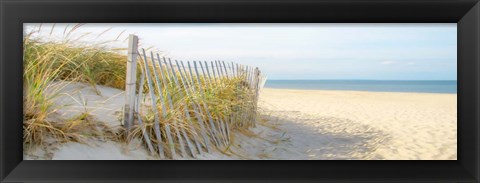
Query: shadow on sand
(302,136)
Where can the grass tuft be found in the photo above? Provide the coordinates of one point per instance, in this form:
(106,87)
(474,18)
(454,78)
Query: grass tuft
(48,61)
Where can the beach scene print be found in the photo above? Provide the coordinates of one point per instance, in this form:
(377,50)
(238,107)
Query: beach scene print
(223,91)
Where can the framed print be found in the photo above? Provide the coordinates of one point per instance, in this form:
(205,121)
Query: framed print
(258,91)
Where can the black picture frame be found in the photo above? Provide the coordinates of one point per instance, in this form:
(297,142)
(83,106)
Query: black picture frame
(466,13)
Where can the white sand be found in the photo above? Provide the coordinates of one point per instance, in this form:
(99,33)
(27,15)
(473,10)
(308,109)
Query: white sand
(76,98)
(105,108)
(363,125)
(295,124)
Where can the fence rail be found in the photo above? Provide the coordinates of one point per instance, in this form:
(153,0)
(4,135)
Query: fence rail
(184,109)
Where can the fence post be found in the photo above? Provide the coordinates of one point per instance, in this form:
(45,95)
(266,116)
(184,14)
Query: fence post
(130,81)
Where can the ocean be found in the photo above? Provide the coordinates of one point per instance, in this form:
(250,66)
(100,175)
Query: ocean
(436,86)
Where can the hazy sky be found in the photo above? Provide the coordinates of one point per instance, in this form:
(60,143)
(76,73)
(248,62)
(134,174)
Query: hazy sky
(297,51)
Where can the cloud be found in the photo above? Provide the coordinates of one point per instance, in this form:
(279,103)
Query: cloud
(388,62)
(411,63)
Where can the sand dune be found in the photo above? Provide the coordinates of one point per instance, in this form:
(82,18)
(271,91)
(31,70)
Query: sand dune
(104,107)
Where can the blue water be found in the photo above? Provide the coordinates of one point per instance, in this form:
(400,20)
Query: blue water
(367,85)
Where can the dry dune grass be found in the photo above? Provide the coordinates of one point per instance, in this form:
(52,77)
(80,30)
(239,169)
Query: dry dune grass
(46,62)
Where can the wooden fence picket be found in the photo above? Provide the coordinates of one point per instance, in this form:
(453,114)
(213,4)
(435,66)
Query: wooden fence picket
(154,105)
(138,111)
(130,81)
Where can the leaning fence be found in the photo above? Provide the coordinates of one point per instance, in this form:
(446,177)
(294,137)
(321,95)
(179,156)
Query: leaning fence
(184,109)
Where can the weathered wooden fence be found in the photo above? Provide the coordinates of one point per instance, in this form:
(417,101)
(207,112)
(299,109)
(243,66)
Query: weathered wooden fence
(183,109)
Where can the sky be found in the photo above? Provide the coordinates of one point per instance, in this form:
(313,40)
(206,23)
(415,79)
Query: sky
(292,51)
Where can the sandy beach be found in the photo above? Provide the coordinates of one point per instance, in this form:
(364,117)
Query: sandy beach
(327,124)
(91,92)
(294,124)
